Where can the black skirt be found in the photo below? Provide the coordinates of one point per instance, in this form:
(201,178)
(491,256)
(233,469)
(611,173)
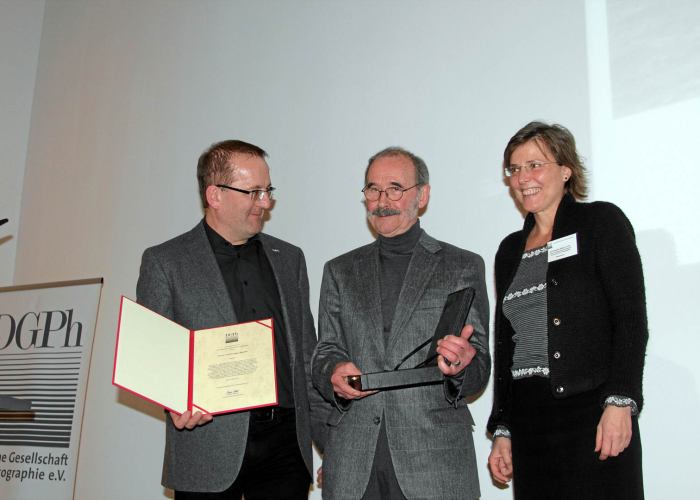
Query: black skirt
(553,444)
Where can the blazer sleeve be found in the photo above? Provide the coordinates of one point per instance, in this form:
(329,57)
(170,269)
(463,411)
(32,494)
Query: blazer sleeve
(619,269)
(318,407)
(476,375)
(153,289)
(331,348)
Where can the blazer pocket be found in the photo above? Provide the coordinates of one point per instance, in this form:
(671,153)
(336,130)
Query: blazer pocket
(432,305)
(448,416)
(334,417)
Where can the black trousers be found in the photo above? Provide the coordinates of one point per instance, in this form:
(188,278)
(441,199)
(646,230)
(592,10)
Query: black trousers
(383,484)
(553,442)
(272,468)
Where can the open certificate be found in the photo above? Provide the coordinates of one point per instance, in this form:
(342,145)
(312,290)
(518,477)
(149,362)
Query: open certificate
(215,370)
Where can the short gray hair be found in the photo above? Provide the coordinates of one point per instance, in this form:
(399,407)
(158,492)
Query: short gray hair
(422,175)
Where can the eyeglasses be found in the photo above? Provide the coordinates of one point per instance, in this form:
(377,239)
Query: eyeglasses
(531,166)
(255,194)
(394,193)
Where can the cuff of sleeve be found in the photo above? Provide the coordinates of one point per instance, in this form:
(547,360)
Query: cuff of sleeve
(341,403)
(501,431)
(453,386)
(622,401)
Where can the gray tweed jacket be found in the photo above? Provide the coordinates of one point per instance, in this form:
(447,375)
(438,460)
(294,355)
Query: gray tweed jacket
(181,280)
(429,428)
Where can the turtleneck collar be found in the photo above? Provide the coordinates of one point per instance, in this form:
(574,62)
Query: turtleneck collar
(403,243)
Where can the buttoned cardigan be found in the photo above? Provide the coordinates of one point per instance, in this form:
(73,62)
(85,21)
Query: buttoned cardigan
(596,310)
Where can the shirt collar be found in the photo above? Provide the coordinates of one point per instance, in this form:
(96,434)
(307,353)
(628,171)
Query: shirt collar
(220,245)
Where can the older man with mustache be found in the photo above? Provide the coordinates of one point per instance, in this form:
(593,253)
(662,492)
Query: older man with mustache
(377,303)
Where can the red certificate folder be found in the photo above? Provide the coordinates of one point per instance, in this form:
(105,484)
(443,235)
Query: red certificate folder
(214,370)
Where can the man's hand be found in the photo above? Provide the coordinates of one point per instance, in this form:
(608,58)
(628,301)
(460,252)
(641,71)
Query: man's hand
(457,350)
(340,384)
(501,460)
(319,477)
(614,431)
(189,421)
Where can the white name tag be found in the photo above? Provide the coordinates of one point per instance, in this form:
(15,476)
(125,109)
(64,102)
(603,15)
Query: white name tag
(562,248)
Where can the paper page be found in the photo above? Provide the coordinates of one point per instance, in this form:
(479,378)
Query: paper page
(152,356)
(234,367)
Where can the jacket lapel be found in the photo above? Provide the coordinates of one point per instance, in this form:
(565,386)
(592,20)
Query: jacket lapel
(206,270)
(420,271)
(366,274)
(281,268)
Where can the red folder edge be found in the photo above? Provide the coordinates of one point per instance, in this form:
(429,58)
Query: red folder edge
(190,372)
(274,362)
(190,375)
(116,344)
(114,370)
(193,406)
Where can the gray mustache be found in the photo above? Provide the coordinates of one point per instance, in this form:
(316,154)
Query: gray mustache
(385,211)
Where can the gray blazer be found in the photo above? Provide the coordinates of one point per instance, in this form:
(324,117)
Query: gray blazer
(181,280)
(429,428)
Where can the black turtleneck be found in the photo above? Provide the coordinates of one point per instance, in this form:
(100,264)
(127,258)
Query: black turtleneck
(394,256)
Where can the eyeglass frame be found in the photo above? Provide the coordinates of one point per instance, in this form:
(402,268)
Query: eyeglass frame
(255,194)
(529,166)
(396,189)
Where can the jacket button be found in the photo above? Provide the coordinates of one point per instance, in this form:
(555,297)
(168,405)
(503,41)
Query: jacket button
(557,355)
(553,282)
(376,420)
(560,389)
(556,321)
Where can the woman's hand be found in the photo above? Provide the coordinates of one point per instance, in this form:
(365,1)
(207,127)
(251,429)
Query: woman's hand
(501,460)
(614,431)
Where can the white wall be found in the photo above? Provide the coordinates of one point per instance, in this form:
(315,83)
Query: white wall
(129,93)
(645,101)
(20,35)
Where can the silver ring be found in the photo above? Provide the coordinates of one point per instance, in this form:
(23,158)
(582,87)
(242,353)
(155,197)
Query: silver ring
(458,362)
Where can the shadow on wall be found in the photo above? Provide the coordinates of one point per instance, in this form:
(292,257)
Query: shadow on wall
(653,53)
(670,390)
(136,403)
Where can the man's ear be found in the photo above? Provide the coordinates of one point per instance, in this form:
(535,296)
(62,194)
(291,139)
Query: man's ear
(213,195)
(424,196)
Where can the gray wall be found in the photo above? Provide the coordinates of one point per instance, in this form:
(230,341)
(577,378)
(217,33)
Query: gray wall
(129,93)
(20,36)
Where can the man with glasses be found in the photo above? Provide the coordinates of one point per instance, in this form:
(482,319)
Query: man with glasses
(379,302)
(226,271)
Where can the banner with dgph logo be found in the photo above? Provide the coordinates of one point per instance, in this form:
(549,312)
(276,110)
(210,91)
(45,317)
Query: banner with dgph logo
(46,337)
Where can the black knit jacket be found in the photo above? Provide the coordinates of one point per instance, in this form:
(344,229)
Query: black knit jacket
(597,322)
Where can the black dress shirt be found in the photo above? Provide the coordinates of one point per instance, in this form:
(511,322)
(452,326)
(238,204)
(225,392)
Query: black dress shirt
(252,287)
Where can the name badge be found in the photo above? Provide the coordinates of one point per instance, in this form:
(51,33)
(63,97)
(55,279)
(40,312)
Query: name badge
(562,248)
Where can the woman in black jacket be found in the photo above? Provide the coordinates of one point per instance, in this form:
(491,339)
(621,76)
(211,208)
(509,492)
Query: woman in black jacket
(571,332)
